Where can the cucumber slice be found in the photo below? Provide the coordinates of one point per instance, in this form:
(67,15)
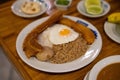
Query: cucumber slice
(94,9)
(92,2)
(93,6)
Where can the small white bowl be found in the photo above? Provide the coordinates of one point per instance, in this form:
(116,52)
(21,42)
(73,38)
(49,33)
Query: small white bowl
(62,7)
(101,64)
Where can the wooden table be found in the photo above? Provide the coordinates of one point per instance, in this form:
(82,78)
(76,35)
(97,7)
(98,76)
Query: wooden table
(11,25)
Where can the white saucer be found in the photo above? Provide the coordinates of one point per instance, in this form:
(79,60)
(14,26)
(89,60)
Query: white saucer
(82,10)
(17,11)
(111,32)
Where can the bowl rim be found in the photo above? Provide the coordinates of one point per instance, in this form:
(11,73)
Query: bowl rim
(101,64)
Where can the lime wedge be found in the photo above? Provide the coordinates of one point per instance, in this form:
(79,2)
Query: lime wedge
(114,17)
(93,6)
(94,9)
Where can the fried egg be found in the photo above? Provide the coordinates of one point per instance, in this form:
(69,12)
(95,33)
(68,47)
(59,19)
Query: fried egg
(60,34)
(43,38)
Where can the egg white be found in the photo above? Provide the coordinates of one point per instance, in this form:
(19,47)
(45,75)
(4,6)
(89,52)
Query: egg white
(43,38)
(56,38)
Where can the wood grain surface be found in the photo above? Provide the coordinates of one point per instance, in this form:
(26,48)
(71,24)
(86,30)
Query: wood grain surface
(11,25)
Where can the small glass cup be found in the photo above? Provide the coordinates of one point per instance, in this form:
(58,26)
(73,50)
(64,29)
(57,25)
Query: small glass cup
(62,7)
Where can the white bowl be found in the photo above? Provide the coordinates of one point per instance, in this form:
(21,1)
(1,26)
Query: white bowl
(118,28)
(101,64)
(62,7)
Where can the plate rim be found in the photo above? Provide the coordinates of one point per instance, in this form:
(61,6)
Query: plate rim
(95,16)
(86,76)
(112,37)
(27,15)
(66,68)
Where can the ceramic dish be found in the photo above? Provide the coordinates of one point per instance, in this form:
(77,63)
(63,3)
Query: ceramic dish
(84,60)
(62,7)
(16,9)
(82,10)
(110,30)
(101,64)
(86,76)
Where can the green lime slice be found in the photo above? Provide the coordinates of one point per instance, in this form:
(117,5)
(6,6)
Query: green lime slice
(114,17)
(94,9)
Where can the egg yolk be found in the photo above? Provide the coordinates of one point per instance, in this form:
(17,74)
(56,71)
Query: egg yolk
(64,32)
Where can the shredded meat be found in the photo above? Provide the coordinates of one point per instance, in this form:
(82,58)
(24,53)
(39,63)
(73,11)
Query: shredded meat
(69,51)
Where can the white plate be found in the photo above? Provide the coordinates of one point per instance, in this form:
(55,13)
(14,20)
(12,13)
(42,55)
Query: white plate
(111,32)
(16,9)
(86,76)
(101,64)
(89,56)
(82,10)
